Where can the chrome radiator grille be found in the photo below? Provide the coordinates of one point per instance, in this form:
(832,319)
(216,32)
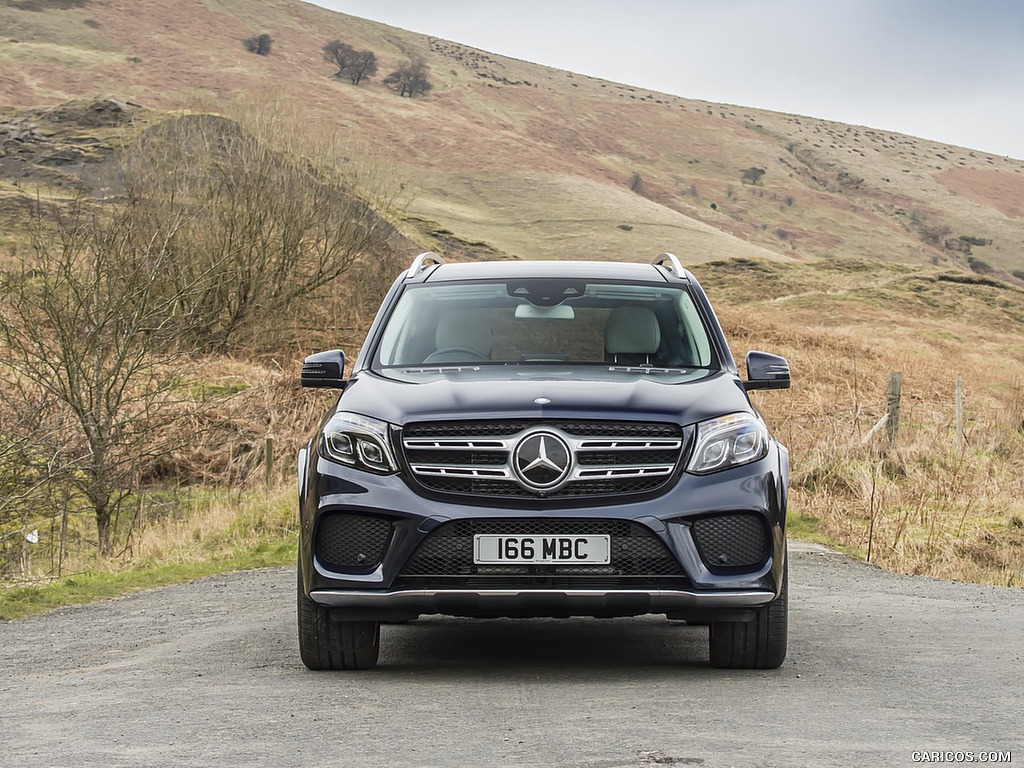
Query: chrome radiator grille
(567,458)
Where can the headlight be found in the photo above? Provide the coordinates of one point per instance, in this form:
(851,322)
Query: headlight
(728,441)
(358,441)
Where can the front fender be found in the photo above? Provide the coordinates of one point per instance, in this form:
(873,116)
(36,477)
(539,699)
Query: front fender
(306,508)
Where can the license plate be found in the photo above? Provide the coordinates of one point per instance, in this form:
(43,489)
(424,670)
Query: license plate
(586,550)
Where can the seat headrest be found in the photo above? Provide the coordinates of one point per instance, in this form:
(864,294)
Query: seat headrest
(632,331)
(463,329)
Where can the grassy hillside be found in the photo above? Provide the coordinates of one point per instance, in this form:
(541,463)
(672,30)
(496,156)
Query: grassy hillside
(532,161)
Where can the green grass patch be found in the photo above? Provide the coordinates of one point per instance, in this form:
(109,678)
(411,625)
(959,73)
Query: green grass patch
(79,588)
(803,526)
(205,390)
(941,334)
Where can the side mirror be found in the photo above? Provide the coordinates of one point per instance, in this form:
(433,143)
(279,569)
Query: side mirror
(324,370)
(765,371)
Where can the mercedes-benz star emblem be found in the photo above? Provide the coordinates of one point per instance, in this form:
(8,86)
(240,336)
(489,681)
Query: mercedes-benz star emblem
(541,461)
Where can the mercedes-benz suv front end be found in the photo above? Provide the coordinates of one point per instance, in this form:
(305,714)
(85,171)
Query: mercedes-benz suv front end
(543,439)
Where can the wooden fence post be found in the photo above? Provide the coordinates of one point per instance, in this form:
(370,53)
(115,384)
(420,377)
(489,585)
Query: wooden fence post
(892,425)
(268,462)
(959,413)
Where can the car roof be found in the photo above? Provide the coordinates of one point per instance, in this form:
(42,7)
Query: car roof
(514,269)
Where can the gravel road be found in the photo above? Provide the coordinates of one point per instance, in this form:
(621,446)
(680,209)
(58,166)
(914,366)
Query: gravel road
(208,674)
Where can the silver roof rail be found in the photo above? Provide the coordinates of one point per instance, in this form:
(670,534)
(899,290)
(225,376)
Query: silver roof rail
(673,264)
(419,263)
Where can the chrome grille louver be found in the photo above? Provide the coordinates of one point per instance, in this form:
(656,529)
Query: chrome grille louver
(607,458)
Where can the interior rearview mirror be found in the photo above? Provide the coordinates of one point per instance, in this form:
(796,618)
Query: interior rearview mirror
(535,312)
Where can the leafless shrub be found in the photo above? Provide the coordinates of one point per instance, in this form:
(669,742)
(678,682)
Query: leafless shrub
(24,482)
(267,230)
(89,335)
(410,79)
(222,235)
(752,175)
(353,64)
(259,44)
(930,231)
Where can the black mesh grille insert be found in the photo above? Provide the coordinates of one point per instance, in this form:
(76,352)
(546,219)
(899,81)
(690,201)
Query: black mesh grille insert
(351,541)
(730,542)
(611,458)
(638,557)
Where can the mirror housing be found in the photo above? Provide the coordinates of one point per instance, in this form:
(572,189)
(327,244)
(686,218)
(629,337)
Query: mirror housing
(324,370)
(765,371)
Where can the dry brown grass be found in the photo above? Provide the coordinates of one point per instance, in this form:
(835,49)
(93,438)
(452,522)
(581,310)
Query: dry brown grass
(207,498)
(925,506)
(932,503)
(538,163)
(209,525)
(192,533)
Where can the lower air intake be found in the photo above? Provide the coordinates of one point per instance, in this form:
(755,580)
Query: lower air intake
(729,543)
(351,541)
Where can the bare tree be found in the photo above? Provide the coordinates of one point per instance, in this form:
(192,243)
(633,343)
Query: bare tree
(258,44)
(752,175)
(223,239)
(364,65)
(340,54)
(267,229)
(25,474)
(410,78)
(89,333)
(353,64)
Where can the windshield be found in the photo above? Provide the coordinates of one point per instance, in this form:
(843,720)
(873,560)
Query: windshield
(545,322)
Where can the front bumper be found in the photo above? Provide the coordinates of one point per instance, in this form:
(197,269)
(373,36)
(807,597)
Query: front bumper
(544,602)
(382,590)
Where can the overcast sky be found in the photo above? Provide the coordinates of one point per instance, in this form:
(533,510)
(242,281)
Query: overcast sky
(948,70)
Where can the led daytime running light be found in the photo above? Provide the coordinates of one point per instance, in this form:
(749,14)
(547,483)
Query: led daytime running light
(728,441)
(359,441)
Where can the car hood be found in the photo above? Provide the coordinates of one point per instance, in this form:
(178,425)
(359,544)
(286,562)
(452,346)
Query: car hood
(637,397)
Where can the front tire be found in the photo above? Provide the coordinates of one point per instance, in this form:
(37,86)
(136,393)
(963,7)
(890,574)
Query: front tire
(326,643)
(757,644)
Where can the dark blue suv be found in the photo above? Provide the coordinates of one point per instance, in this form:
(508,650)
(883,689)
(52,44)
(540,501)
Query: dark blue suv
(545,438)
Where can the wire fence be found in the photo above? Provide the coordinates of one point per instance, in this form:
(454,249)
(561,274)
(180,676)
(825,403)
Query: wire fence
(43,535)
